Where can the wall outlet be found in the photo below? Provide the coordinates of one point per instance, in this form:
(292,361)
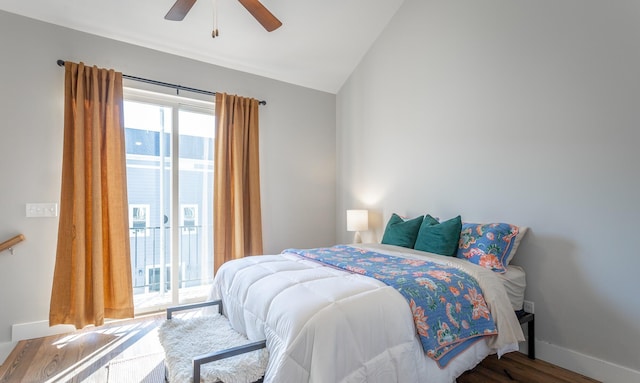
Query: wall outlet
(528,307)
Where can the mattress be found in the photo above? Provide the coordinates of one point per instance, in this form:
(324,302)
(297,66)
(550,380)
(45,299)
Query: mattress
(514,281)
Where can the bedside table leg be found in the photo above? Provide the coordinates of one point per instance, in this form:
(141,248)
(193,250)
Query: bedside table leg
(531,329)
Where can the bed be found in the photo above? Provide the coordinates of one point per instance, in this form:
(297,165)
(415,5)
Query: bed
(323,323)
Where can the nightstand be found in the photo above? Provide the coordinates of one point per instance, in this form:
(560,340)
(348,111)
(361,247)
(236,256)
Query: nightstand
(529,319)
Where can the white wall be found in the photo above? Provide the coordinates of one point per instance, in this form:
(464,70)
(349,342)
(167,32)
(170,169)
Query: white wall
(297,149)
(518,111)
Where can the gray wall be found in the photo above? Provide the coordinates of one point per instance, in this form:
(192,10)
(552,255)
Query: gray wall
(297,149)
(516,111)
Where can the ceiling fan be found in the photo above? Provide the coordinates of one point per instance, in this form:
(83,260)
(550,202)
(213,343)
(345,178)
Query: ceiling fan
(181,7)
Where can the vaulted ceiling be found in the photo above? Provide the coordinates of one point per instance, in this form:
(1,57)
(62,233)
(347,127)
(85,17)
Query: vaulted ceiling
(318,45)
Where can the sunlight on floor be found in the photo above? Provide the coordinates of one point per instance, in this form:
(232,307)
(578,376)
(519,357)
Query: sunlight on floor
(129,352)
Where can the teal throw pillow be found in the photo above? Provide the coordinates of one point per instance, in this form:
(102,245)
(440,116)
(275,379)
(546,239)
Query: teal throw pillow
(439,238)
(400,232)
(429,220)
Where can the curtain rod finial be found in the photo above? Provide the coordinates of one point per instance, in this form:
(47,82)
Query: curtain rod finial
(60,62)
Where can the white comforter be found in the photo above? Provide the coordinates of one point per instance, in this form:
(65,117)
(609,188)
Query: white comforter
(327,325)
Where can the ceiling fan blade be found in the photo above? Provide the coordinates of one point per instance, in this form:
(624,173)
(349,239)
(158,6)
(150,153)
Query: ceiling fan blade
(262,14)
(179,10)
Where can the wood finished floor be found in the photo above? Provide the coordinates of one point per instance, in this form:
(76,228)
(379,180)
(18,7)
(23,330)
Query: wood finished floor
(86,355)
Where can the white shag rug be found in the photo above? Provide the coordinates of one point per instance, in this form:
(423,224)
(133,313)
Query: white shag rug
(183,339)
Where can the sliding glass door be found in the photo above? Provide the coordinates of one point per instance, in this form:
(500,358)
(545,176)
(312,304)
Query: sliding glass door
(169,145)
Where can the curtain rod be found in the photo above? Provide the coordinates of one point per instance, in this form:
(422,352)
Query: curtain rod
(168,85)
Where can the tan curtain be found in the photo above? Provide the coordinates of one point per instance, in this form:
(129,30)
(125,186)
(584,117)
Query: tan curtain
(237,218)
(92,277)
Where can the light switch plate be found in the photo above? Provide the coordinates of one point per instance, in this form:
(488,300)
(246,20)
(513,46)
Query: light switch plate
(42,210)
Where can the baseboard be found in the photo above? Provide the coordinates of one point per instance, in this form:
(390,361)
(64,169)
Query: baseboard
(39,329)
(583,364)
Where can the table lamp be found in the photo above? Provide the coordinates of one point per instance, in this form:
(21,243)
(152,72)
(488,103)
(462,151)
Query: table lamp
(357,220)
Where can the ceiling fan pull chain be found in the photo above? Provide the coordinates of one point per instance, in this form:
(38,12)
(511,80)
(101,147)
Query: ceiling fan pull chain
(214,33)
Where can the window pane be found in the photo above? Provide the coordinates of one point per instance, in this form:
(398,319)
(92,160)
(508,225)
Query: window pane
(196,201)
(147,140)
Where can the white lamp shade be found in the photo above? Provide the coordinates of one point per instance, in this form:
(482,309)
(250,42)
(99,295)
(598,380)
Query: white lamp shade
(357,220)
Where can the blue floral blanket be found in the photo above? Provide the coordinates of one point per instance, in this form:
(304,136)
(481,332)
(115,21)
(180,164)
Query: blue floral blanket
(447,304)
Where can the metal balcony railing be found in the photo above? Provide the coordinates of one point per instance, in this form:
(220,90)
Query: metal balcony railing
(150,252)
